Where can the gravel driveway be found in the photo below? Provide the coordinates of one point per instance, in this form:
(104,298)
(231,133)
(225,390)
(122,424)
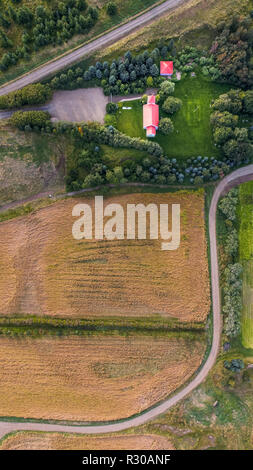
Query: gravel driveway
(83,104)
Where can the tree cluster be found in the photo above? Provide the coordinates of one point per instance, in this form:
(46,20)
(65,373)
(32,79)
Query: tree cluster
(29,95)
(30,120)
(134,74)
(232,288)
(47,25)
(235,365)
(227,133)
(232,300)
(232,50)
(123,76)
(190,58)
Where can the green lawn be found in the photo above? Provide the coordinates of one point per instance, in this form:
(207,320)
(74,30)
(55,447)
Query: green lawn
(192,135)
(246,258)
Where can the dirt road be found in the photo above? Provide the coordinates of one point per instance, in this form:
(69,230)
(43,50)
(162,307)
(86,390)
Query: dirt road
(103,41)
(235,178)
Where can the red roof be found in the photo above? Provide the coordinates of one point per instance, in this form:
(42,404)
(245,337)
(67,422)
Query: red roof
(166,68)
(151,99)
(151,131)
(151,116)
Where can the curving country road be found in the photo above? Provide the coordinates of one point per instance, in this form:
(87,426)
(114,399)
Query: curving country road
(103,41)
(239,176)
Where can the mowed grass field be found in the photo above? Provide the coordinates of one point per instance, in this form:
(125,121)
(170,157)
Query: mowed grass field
(246,258)
(192,135)
(44,271)
(60,441)
(89,379)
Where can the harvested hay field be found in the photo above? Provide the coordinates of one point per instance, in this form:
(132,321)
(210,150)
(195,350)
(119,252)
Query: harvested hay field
(44,271)
(58,441)
(86,379)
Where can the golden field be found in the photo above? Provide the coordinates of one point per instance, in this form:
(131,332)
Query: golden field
(58,441)
(44,271)
(93,379)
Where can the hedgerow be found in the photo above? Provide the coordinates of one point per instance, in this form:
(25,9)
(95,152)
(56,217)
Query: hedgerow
(29,95)
(30,120)
(232,287)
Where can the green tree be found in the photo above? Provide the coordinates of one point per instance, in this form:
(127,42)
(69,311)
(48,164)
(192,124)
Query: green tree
(167,88)
(32,118)
(230,102)
(241,134)
(31,94)
(225,119)
(222,134)
(24,16)
(171,105)
(238,151)
(111,8)
(111,108)
(166,126)
(154,70)
(248,102)
(150,82)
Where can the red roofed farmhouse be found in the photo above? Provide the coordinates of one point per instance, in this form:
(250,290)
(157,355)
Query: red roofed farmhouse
(151,117)
(166,68)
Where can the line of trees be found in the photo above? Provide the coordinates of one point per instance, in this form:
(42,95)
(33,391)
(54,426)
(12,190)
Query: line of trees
(232,288)
(31,120)
(30,95)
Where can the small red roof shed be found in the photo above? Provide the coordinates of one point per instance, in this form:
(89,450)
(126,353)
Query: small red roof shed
(151,116)
(166,68)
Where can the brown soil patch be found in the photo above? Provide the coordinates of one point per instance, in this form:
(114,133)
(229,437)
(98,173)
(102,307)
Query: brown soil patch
(58,441)
(44,271)
(89,379)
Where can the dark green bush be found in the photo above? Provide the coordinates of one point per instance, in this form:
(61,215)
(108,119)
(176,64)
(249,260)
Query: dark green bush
(35,119)
(111,108)
(29,95)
